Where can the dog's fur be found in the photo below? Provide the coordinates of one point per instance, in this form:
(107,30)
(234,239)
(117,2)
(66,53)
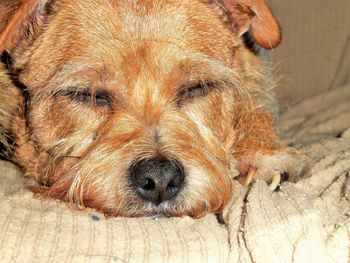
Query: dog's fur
(88,88)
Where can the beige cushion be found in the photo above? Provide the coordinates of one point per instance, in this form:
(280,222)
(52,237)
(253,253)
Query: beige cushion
(315,52)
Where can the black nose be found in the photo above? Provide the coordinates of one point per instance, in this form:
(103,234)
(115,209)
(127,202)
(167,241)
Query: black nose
(157,180)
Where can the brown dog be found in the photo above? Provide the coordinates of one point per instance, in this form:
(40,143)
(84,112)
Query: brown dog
(138,107)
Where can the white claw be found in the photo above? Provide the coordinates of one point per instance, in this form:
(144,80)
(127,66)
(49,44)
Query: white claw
(276,180)
(249,177)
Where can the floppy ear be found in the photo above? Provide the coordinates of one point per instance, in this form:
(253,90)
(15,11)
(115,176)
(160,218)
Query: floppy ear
(254,15)
(23,21)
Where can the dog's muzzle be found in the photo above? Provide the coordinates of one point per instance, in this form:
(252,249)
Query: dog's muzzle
(157,180)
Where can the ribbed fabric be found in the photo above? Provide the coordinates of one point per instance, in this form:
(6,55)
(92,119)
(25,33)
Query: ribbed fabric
(34,230)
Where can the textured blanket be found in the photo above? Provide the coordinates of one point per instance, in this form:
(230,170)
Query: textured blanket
(306,221)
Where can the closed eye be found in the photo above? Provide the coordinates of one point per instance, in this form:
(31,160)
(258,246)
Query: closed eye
(197,90)
(99,98)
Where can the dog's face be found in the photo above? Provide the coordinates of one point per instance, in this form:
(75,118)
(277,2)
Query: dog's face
(131,104)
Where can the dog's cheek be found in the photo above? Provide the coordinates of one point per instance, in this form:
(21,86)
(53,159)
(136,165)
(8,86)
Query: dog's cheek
(212,120)
(228,126)
(61,126)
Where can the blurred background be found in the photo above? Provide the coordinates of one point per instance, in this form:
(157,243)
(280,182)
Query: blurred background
(315,52)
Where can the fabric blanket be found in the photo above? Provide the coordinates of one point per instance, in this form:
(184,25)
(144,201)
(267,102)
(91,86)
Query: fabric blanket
(306,221)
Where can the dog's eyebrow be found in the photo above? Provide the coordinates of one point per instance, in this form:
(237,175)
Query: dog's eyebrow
(207,69)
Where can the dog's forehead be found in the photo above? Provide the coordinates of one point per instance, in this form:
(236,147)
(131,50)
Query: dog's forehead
(122,36)
(118,26)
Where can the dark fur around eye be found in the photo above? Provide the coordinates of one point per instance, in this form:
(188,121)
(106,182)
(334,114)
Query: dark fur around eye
(197,90)
(99,98)
(103,98)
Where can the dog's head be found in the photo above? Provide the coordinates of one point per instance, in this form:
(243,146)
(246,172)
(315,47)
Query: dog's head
(130,106)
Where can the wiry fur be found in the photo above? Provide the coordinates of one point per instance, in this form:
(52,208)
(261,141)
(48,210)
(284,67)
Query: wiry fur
(145,58)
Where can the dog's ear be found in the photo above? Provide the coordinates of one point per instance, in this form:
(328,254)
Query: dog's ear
(23,21)
(256,17)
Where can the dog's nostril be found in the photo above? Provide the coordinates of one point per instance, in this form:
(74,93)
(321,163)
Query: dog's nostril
(171,185)
(157,180)
(150,185)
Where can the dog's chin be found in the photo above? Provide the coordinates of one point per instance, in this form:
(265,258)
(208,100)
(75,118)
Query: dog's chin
(171,208)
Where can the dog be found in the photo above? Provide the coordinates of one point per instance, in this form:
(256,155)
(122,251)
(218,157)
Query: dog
(139,107)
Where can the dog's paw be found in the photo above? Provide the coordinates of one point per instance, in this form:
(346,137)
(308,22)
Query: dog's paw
(274,168)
